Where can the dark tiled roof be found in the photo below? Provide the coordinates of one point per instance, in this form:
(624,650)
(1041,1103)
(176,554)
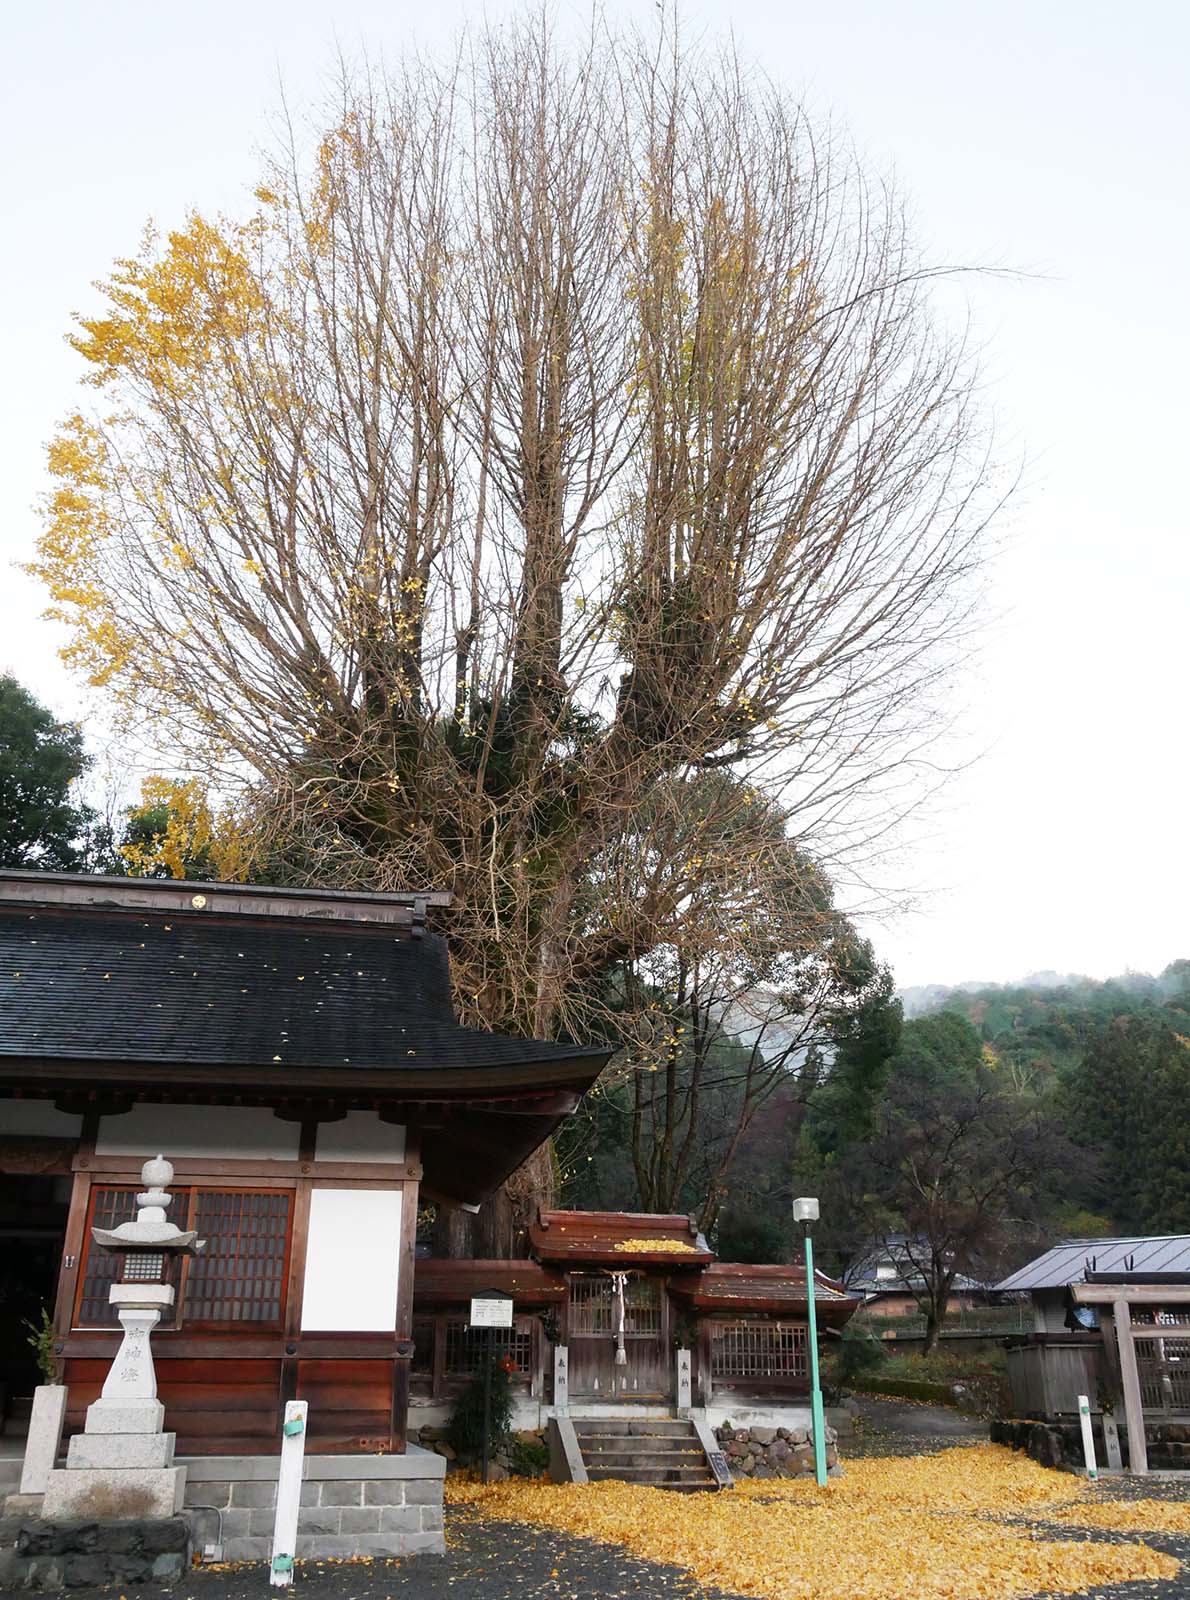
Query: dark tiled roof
(124,986)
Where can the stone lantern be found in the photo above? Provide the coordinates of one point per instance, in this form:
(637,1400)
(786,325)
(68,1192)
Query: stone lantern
(122,1463)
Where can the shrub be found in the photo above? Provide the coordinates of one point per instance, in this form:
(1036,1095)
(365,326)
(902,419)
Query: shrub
(530,1458)
(465,1429)
(860,1358)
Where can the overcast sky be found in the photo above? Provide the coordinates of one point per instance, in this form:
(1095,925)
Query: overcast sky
(1046,136)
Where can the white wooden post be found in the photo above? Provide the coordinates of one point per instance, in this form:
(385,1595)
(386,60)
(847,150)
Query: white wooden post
(561,1379)
(289,1493)
(1084,1418)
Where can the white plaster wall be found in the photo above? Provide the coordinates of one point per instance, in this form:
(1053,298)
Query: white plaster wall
(361,1136)
(37,1119)
(352,1261)
(240,1133)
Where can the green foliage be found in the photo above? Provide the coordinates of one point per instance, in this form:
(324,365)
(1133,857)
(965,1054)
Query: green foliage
(865,1038)
(40,762)
(465,1428)
(859,1360)
(41,1342)
(752,1234)
(1128,1098)
(530,1458)
(942,1048)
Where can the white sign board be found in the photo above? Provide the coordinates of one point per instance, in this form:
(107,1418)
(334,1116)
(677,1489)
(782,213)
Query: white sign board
(491,1313)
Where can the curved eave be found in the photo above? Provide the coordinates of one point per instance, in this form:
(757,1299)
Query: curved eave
(394,1081)
(829,1311)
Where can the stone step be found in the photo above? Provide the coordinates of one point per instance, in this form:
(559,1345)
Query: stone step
(655,1477)
(627,1460)
(641,1441)
(634,1427)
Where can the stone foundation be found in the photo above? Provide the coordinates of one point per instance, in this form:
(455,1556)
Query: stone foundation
(509,1460)
(1060,1444)
(774,1452)
(53,1555)
(350,1506)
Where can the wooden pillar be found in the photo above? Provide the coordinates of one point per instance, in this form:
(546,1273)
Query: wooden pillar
(1112,1384)
(1138,1456)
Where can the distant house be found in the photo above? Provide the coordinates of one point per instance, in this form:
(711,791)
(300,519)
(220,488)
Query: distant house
(889,1284)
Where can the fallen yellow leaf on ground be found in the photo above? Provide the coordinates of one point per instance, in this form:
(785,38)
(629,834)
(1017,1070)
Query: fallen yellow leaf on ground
(901,1528)
(1126,1516)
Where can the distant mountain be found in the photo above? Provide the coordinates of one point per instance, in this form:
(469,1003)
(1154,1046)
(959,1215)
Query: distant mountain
(1041,1025)
(917,999)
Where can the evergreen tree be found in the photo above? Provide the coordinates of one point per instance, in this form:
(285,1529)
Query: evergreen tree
(41,760)
(1128,1100)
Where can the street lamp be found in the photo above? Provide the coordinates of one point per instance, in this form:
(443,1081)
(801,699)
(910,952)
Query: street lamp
(805,1211)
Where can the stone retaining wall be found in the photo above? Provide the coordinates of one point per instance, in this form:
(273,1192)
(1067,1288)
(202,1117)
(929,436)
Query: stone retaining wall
(1060,1444)
(55,1555)
(350,1505)
(503,1463)
(774,1452)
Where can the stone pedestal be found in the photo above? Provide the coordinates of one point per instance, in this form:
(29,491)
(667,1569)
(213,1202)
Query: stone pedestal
(122,1464)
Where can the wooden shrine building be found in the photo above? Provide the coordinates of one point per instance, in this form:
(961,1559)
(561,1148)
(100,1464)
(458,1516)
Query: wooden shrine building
(296,1055)
(641,1310)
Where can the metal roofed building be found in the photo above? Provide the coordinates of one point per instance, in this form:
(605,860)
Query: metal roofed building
(1112,1322)
(1048,1279)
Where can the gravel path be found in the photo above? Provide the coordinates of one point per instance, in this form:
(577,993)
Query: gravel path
(485,1560)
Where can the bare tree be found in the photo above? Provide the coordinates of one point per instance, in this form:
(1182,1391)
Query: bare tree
(954,1167)
(569,424)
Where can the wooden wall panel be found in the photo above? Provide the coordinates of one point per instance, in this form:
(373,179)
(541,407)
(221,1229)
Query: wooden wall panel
(350,1403)
(212,1406)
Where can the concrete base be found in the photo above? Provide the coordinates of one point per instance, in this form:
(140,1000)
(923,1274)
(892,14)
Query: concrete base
(350,1506)
(22,1505)
(125,1416)
(106,1492)
(120,1450)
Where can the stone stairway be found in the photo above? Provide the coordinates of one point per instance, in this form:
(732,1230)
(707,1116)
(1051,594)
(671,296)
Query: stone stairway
(663,1452)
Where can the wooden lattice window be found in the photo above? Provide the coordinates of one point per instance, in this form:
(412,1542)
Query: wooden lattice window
(465,1347)
(1161,1316)
(108,1209)
(755,1349)
(642,1307)
(240,1276)
(593,1306)
(591,1309)
(1163,1368)
(238,1280)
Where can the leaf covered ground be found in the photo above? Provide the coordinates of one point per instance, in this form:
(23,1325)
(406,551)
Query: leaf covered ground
(973,1523)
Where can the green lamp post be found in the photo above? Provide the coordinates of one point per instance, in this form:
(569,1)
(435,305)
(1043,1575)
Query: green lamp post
(805,1211)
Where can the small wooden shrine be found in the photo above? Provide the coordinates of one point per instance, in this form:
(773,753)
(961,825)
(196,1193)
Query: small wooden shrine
(624,1294)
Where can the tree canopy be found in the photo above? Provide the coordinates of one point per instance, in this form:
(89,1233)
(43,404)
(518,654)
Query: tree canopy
(42,822)
(566,428)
